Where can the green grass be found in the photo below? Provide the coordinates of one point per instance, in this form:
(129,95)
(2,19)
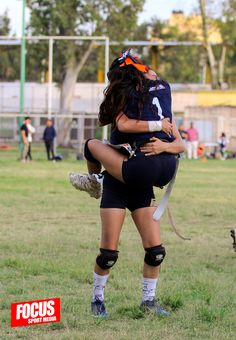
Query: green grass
(49,239)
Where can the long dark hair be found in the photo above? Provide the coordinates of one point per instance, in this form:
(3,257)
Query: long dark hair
(124,83)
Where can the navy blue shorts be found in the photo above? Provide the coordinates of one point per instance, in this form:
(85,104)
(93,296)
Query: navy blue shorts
(143,170)
(140,175)
(116,194)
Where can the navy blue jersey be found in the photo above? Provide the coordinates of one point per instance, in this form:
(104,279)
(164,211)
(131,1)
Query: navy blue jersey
(156,107)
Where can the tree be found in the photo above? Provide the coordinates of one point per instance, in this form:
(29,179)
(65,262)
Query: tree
(9,61)
(227,24)
(207,44)
(56,17)
(4,24)
(177,64)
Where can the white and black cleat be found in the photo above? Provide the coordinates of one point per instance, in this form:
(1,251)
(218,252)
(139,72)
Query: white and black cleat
(91,183)
(153,306)
(98,309)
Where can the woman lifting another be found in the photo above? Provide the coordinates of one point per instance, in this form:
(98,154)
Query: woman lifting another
(138,105)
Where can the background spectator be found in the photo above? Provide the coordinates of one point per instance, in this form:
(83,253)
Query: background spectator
(183,134)
(223,141)
(192,142)
(31,131)
(48,136)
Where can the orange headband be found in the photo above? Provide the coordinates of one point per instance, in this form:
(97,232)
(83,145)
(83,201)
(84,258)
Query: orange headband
(127,59)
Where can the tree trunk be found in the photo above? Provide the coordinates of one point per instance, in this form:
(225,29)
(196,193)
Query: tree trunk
(222,65)
(67,93)
(207,45)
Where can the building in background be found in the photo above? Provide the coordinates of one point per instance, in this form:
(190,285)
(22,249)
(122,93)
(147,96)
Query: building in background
(211,111)
(193,24)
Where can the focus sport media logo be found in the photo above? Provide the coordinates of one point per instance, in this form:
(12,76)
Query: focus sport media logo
(35,312)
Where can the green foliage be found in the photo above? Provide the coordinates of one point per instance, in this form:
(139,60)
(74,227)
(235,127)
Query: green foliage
(181,64)
(9,61)
(4,24)
(54,18)
(177,64)
(116,19)
(228,29)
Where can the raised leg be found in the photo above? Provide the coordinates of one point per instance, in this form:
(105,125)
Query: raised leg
(94,168)
(111,159)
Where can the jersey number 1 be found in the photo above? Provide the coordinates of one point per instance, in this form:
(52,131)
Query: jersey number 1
(156,102)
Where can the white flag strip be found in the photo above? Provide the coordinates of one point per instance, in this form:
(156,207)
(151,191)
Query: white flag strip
(161,207)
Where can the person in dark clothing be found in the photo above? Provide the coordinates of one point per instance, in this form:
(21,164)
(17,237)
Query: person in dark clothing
(48,136)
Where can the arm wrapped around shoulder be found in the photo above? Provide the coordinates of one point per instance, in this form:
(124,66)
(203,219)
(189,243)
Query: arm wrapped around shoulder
(155,125)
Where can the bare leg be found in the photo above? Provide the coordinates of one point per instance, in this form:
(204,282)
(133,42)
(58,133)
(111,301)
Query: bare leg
(111,159)
(94,168)
(112,221)
(149,231)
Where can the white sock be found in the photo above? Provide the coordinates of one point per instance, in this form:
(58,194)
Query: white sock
(99,284)
(149,289)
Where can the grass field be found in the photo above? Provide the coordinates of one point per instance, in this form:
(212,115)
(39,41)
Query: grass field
(50,236)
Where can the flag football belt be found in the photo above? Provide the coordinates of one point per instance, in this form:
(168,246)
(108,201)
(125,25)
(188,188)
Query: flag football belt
(125,148)
(163,204)
(130,150)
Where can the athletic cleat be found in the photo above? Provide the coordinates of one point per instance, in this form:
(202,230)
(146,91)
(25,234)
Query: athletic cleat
(154,307)
(98,308)
(92,184)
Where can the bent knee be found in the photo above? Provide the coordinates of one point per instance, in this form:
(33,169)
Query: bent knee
(93,142)
(154,256)
(107,258)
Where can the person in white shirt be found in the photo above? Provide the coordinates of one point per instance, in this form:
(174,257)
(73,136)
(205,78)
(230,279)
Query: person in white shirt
(31,131)
(223,142)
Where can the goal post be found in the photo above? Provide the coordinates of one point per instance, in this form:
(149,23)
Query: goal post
(51,39)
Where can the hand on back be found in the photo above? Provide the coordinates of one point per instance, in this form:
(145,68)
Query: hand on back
(166,125)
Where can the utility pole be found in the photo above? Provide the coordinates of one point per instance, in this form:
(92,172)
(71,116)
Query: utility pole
(22,73)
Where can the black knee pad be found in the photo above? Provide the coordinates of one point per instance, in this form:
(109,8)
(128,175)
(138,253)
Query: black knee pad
(87,153)
(107,258)
(154,255)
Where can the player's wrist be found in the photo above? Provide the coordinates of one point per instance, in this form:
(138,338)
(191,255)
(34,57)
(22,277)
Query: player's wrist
(154,125)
